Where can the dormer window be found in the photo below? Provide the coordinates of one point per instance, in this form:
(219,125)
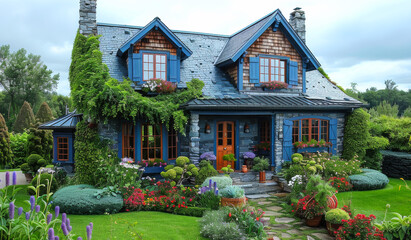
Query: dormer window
(272,69)
(154,66)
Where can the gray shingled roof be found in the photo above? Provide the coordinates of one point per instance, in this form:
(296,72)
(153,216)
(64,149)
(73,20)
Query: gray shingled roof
(205,47)
(269,102)
(238,40)
(68,121)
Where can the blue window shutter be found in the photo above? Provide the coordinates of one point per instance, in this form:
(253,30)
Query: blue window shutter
(254,69)
(137,68)
(287,140)
(333,135)
(174,68)
(293,73)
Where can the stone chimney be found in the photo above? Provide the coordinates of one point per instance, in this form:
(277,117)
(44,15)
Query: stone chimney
(88,22)
(297,21)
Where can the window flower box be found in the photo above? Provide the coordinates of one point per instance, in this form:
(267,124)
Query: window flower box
(274,86)
(312,149)
(153,170)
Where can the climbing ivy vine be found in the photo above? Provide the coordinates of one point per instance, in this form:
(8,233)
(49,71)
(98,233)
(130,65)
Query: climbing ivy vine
(101,97)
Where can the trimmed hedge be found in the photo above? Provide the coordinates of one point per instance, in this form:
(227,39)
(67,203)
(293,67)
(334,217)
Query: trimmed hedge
(368,180)
(222,181)
(80,199)
(191,211)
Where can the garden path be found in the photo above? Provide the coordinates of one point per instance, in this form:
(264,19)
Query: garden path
(280,224)
(21,179)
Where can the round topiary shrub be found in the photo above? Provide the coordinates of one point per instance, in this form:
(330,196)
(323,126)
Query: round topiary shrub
(222,181)
(43,180)
(336,215)
(368,180)
(82,200)
(297,158)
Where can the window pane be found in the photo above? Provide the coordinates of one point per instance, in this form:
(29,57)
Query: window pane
(158,68)
(163,59)
(282,71)
(158,58)
(266,62)
(282,64)
(282,79)
(150,58)
(163,67)
(266,69)
(145,58)
(150,75)
(266,78)
(150,67)
(261,61)
(272,62)
(163,76)
(276,77)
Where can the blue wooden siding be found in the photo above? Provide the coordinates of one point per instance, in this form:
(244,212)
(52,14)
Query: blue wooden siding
(70,137)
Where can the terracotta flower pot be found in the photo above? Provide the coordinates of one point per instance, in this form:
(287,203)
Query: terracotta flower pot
(262,177)
(331,227)
(314,222)
(234,202)
(29,177)
(244,169)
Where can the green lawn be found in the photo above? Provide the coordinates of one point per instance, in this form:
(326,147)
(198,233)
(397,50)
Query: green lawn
(151,225)
(374,201)
(18,169)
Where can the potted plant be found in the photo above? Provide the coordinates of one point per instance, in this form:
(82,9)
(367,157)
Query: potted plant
(248,159)
(261,164)
(311,210)
(334,219)
(232,196)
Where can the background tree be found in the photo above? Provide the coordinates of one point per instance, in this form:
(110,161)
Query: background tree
(58,104)
(44,113)
(356,134)
(25,118)
(40,142)
(407,113)
(5,150)
(24,78)
(385,109)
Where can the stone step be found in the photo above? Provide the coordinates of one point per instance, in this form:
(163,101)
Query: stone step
(249,176)
(259,188)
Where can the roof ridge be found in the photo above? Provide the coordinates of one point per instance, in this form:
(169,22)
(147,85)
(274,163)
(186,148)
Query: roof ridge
(255,22)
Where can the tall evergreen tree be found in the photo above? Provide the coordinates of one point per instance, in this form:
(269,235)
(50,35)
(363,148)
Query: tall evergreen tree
(44,114)
(5,150)
(24,119)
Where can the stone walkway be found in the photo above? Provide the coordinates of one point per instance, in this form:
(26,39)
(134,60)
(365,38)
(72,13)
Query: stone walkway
(279,224)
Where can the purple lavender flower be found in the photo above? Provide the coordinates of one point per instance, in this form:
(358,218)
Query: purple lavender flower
(7,179)
(57,211)
(89,230)
(64,228)
(68,222)
(215,185)
(210,183)
(49,217)
(51,234)
(37,208)
(27,216)
(56,238)
(248,155)
(69,228)
(91,225)
(11,210)
(32,202)
(20,211)
(14,182)
(79,238)
(64,217)
(209,156)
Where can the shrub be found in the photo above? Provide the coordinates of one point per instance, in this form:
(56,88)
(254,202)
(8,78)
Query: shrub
(341,184)
(206,170)
(356,134)
(360,227)
(87,152)
(80,199)
(24,119)
(40,142)
(18,144)
(227,169)
(261,164)
(368,180)
(209,200)
(396,130)
(5,150)
(34,163)
(222,181)
(45,178)
(44,113)
(232,192)
(181,171)
(229,157)
(373,157)
(209,156)
(397,228)
(214,226)
(191,211)
(297,157)
(336,215)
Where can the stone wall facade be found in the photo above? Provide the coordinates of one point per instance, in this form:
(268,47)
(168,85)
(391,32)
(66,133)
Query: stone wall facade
(396,164)
(109,132)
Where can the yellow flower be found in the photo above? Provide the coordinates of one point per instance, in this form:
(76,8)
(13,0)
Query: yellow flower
(402,179)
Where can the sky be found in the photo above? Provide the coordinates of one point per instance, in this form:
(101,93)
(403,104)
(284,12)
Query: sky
(361,41)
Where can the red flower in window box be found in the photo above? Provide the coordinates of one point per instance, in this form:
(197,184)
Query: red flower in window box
(274,85)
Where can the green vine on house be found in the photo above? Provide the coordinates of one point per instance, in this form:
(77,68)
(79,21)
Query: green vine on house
(101,97)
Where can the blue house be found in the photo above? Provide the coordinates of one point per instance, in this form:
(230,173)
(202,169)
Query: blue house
(243,108)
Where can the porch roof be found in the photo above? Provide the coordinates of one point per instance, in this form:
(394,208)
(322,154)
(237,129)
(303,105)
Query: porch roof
(271,102)
(68,121)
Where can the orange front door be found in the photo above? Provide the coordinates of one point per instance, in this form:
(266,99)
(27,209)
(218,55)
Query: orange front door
(225,143)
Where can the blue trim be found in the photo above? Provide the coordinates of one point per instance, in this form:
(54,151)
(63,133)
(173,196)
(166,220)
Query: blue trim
(274,56)
(70,137)
(156,23)
(164,134)
(272,137)
(130,64)
(215,141)
(237,144)
(292,35)
(309,116)
(312,149)
(138,141)
(304,77)
(120,142)
(232,113)
(153,169)
(240,74)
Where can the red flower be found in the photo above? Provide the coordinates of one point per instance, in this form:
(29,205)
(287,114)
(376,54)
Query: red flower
(229,215)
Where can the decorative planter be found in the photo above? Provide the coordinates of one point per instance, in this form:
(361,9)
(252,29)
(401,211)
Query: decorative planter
(233,202)
(314,222)
(262,177)
(331,227)
(153,169)
(29,177)
(244,169)
(332,202)
(312,149)
(278,90)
